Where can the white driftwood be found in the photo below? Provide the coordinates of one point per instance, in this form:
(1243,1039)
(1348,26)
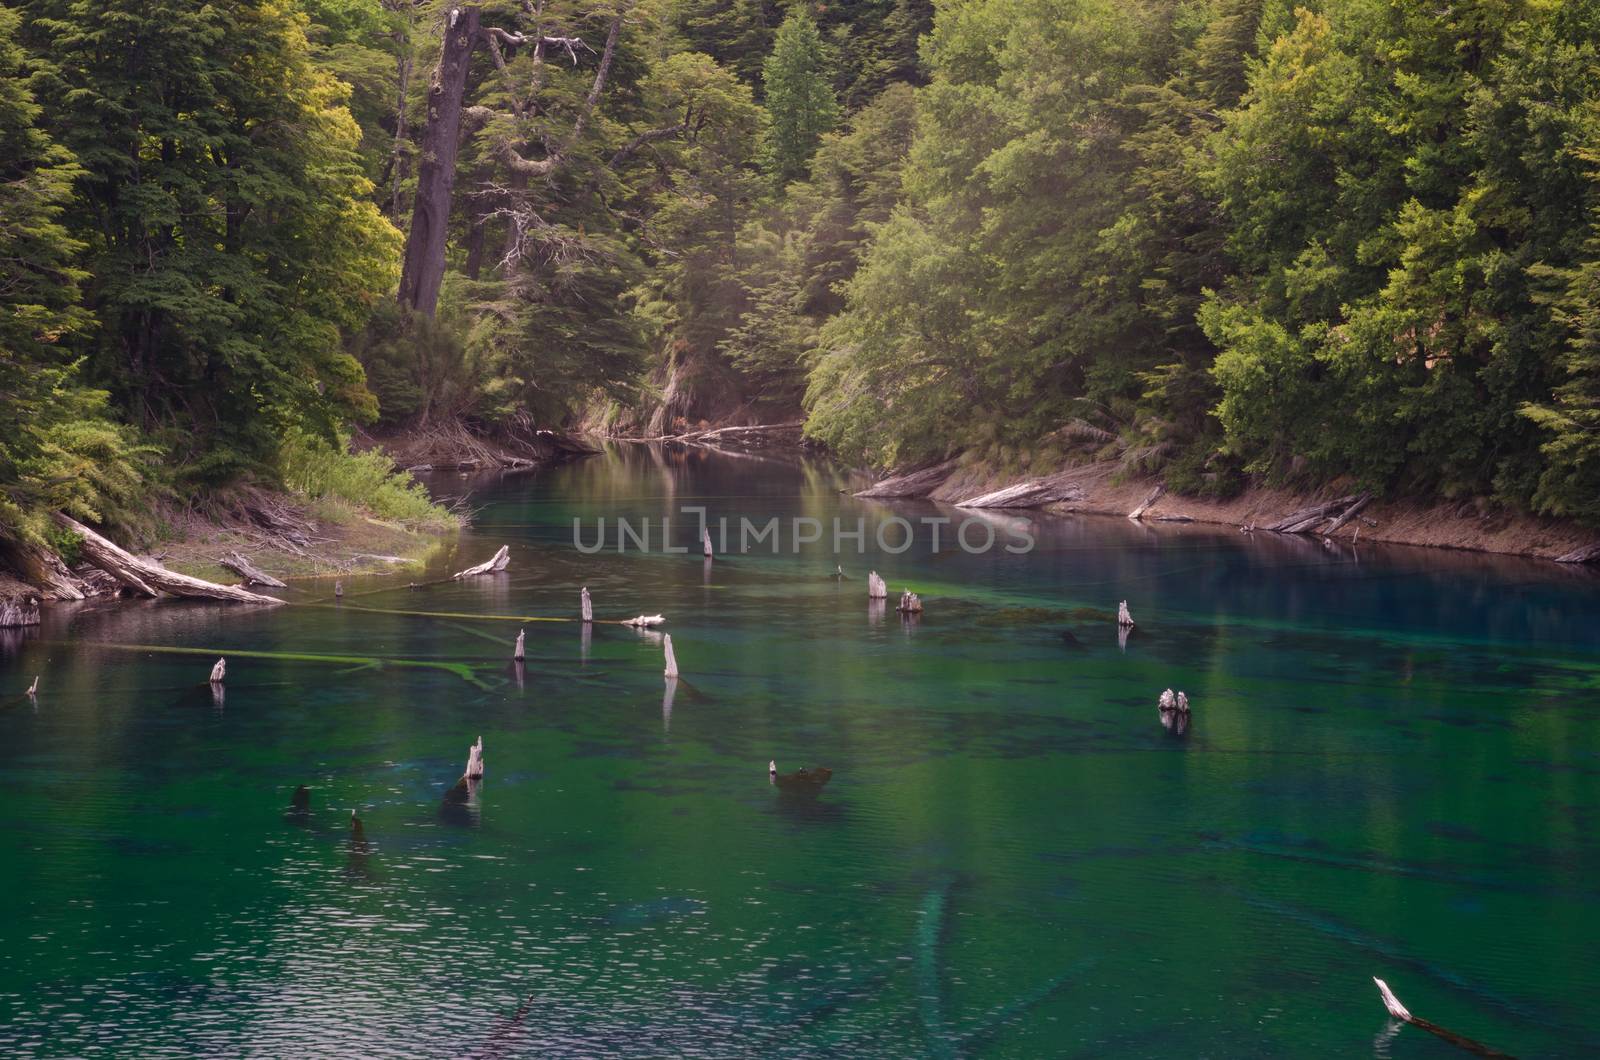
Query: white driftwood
(519,652)
(588,605)
(644,621)
(251,574)
(916,484)
(1124,618)
(877,589)
(910,603)
(33,689)
(1392,1003)
(474,761)
(219,671)
(1144,506)
(149,577)
(493,565)
(672,660)
(1035,493)
(705,537)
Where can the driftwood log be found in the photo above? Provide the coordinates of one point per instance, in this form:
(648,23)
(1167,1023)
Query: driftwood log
(672,660)
(33,689)
(1586,554)
(493,565)
(1335,512)
(915,484)
(801,782)
(251,574)
(1032,494)
(877,589)
(644,621)
(1144,505)
(148,577)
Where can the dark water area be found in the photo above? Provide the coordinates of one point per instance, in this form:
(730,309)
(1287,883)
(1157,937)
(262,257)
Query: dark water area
(1392,769)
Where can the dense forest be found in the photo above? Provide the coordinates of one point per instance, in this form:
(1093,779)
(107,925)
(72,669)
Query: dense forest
(1210,239)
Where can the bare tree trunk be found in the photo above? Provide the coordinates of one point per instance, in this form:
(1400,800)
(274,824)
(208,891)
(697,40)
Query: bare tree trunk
(147,577)
(423,269)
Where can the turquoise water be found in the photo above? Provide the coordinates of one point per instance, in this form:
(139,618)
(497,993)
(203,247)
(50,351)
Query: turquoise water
(1392,770)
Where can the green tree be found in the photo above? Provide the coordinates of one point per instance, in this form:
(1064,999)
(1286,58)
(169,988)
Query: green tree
(799,97)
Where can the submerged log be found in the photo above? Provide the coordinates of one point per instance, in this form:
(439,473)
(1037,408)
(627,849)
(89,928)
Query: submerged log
(149,577)
(1124,617)
(474,769)
(518,652)
(644,621)
(493,565)
(251,574)
(1400,1012)
(877,588)
(672,660)
(803,781)
(586,604)
(219,671)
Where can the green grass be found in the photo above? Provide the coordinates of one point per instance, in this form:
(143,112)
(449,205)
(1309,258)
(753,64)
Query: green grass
(338,482)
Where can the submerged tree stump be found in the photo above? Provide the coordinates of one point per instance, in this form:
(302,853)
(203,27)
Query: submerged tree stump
(219,671)
(877,589)
(33,689)
(910,603)
(518,652)
(474,770)
(672,660)
(1124,617)
(586,604)
(644,621)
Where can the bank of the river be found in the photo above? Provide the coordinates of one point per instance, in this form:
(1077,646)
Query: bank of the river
(1098,488)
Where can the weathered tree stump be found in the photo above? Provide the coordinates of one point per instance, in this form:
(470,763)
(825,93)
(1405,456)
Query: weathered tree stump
(877,588)
(910,603)
(493,565)
(586,604)
(474,769)
(519,652)
(1124,617)
(338,589)
(1144,505)
(251,574)
(672,660)
(219,671)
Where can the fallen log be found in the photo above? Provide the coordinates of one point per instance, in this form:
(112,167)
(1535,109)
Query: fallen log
(1349,514)
(493,565)
(910,603)
(251,574)
(1144,505)
(1298,522)
(151,578)
(1586,554)
(914,484)
(644,621)
(19,611)
(1400,1012)
(705,536)
(1032,494)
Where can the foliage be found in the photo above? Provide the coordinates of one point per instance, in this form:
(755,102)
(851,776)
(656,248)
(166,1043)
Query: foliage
(316,469)
(798,96)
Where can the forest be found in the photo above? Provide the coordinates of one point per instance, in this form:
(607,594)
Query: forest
(1217,241)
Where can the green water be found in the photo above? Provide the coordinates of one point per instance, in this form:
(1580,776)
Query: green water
(1392,770)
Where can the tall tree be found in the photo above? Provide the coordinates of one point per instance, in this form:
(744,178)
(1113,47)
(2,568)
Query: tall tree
(799,97)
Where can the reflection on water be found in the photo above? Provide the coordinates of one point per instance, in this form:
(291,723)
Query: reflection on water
(1391,770)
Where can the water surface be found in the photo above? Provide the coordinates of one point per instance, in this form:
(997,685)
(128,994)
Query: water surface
(1392,770)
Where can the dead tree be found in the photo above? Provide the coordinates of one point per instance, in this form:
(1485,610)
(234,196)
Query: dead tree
(148,578)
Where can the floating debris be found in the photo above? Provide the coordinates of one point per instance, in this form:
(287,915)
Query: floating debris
(644,621)
(586,604)
(910,603)
(474,761)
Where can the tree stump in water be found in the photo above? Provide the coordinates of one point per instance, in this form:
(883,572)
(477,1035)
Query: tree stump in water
(586,604)
(910,603)
(672,660)
(517,652)
(705,537)
(219,671)
(474,769)
(1124,617)
(877,589)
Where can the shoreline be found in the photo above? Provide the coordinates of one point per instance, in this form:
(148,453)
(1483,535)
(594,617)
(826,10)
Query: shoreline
(1093,489)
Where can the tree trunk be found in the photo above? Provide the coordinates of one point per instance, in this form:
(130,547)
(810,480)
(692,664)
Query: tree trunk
(148,577)
(423,269)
